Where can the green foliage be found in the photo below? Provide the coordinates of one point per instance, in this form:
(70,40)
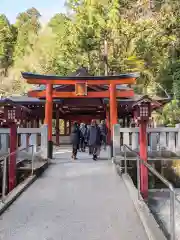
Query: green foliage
(7,38)
(27,26)
(170,114)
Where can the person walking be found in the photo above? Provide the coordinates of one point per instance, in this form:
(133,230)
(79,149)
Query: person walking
(75,139)
(104,132)
(85,140)
(94,139)
(83,137)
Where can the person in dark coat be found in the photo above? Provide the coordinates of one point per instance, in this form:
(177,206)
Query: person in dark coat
(94,139)
(104,132)
(83,130)
(79,136)
(75,139)
(86,143)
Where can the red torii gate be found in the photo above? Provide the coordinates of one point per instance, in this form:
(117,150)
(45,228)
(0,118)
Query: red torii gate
(80,83)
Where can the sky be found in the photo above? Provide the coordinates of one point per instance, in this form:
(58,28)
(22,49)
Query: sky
(47,8)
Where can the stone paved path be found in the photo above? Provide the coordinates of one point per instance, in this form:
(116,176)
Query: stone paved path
(80,200)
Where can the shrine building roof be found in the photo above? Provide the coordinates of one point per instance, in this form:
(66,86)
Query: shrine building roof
(137,97)
(28,75)
(24,100)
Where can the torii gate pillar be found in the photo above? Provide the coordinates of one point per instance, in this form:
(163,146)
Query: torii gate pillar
(48,117)
(113,111)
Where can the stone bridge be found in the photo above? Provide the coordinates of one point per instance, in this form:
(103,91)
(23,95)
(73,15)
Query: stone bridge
(80,199)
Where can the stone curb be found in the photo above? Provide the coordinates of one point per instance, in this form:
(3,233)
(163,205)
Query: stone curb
(20,189)
(151,227)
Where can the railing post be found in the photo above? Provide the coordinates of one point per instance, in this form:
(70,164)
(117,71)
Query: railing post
(32,160)
(138,178)
(33,141)
(12,157)
(44,141)
(125,160)
(172,215)
(171,142)
(4,179)
(23,143)
(178,139)
(116,140)
(135,138)
(4,143)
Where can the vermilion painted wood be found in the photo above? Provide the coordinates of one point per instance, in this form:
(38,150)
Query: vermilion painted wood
(82,118)
(113,105)
(143,156)
(57,126)
(48,110)
(103,94)
(89,82)
(108,125)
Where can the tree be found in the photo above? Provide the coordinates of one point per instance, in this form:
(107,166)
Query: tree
(7,40)
(28,27)
(143,36)
(43,55)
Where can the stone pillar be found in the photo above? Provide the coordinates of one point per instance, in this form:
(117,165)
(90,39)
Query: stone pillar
(12,158)
(135,140)
(163,140)
(126,138)
(23,143)
(44,141)
(116,140)
(4,143)
(33,141)
(153,141)
(171,141)
(178,139)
